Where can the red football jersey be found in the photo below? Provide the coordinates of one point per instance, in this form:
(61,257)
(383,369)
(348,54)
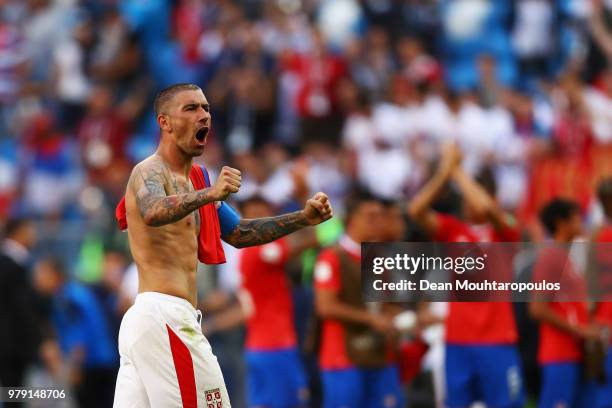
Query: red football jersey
(477,322)
(271,326)
(603,312)
(332,353)
(556,345)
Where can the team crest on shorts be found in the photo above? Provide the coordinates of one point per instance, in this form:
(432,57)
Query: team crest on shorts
(213,398)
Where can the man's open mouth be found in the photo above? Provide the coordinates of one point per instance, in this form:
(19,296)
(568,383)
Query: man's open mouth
(201,134)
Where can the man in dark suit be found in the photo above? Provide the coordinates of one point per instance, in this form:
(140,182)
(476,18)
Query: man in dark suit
(19,323)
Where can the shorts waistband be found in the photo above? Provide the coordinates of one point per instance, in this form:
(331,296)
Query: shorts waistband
(147,297)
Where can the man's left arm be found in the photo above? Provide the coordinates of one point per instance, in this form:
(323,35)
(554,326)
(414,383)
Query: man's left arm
(258,231)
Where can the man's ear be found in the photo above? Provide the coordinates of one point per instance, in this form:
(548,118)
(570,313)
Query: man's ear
(163,122)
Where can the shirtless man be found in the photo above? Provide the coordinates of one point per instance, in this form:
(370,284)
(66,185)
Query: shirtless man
(165,359)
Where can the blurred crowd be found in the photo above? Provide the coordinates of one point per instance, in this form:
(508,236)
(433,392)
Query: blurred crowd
(306,96)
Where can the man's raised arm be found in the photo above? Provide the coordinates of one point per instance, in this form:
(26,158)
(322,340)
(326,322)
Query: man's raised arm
(157,208)
(259,231)
(419,207)
(480,200)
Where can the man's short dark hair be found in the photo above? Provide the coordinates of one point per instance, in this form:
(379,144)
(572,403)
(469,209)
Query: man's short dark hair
(166,95)
(13,225)
(357,197)
(486,179)
(559,209)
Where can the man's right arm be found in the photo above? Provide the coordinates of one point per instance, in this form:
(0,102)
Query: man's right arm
(157,208)
(419,208)
(328,304)
(542,312)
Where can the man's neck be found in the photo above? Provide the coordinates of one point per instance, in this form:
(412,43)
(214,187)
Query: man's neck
(176,160)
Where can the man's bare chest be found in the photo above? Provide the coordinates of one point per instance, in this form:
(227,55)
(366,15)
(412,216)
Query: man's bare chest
(178,185)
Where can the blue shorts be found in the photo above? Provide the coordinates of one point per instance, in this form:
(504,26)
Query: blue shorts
(562,385)
(362,388)
(604,391)
(488,373)
(276,379)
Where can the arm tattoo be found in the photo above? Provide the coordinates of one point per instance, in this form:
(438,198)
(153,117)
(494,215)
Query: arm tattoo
(156,208)
(263,230)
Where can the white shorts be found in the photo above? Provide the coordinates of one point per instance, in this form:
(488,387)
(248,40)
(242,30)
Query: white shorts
(165,359)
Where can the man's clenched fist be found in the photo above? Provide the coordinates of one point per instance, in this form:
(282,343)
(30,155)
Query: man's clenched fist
(318,209)
(228,182)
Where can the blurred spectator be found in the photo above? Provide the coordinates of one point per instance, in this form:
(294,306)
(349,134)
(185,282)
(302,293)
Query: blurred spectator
(46,24)
(117,57)
(415,63)
(84,336)
(489,88)
(107,291)
(597,99)
(51,176)
(571,132)
(318,73)
(378,140)
(371,62)
(532,36)
(71,79)
(20,330)
(102,136)
(243,99)
(269,177)
(13,65)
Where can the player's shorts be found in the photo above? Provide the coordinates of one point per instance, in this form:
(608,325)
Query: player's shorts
(563,386)
(276,379)
(487,373)
(166,361)
(362,388)
(604,391)
(560,382)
